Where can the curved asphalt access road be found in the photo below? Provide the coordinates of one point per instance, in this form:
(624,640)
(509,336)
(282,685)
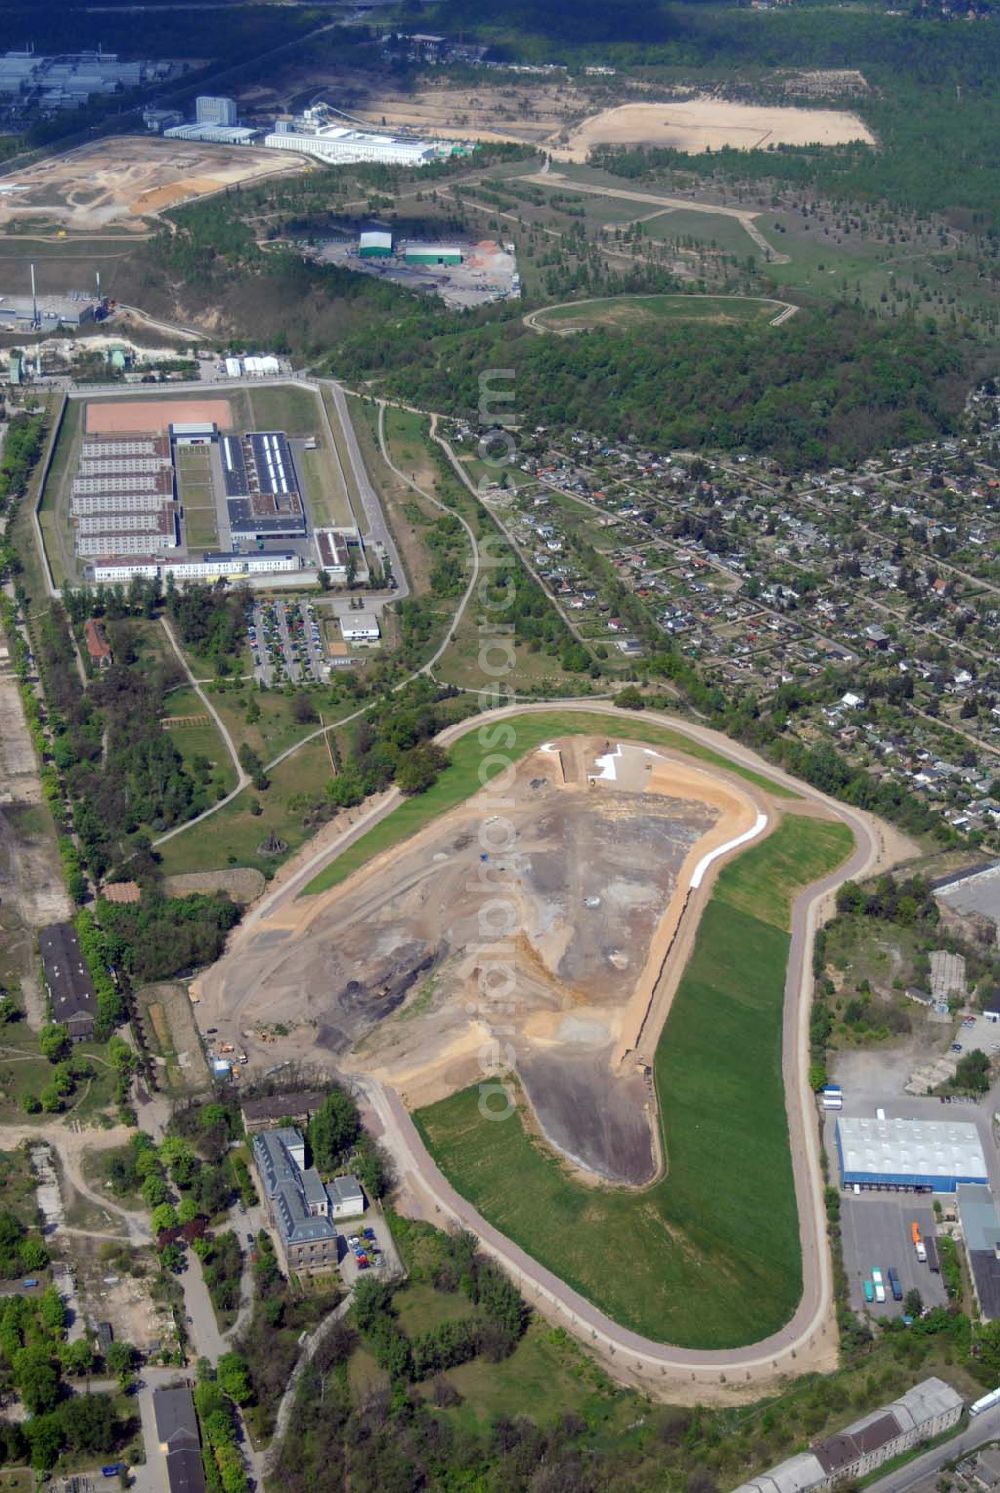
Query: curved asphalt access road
(809,1340)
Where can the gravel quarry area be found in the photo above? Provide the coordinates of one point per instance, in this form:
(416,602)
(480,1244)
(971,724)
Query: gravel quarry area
(540,933)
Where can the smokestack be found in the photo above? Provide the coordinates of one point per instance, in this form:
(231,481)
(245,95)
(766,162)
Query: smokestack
(34,299)
(98,285)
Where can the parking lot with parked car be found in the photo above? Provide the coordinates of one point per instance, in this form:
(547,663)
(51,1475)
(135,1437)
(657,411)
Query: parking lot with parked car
(367,1248)
(286,643)
(877,1235)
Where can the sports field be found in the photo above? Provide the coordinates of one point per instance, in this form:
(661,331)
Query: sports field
(708,1257)
(461,779)
(633,311)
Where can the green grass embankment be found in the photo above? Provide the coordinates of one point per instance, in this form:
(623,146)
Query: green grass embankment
(708,1257)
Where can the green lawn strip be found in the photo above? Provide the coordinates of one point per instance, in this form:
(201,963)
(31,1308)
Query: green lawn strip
(801,853)
(462,778)
(709,1257)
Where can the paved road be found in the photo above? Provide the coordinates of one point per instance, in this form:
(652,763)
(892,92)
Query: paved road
(809,1340)
(378,528)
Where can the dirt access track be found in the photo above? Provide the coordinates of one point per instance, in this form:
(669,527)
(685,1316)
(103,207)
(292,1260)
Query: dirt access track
(122,180)
(809,1341)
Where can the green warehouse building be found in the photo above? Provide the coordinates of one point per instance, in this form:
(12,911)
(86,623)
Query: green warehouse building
(433,254)
(375,245)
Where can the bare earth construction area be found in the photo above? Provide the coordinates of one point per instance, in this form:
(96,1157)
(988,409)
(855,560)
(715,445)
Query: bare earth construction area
(599,853)
(701,124)
(121,180)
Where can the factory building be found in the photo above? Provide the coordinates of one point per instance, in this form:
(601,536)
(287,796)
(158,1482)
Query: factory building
(158,120)
(193,433)
(311,134)
(925,1155)
(211,109)
(977,1213)
(263,497)
(69,80)
(48,311)
(924,1412)
(375,244)
(433,254)
(211,134)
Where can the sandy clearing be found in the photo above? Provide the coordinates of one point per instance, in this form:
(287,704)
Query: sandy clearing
(701,124)
(117,180)
(120,417)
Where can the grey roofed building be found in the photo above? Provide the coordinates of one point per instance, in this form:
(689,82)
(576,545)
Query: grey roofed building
(71,990)
(346,1197)
(297,1201)
(260,1114)
(176,1421)
(924,1412)
(977,1212)
(185,1471)
(934,1154)
(799,1474)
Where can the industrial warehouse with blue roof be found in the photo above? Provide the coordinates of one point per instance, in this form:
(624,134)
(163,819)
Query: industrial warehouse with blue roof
(931,1155)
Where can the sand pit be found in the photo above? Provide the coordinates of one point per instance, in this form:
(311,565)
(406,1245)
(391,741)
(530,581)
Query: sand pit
(701,124)
(574,896)
(153,416)
(118,181)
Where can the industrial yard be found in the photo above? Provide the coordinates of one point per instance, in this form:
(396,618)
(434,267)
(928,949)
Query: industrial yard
(463,274)
(197,485)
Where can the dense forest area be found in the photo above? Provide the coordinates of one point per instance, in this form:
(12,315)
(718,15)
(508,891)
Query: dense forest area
(828,389)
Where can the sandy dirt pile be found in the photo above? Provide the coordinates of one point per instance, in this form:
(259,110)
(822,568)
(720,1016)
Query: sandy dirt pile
(545,929)
(701,124)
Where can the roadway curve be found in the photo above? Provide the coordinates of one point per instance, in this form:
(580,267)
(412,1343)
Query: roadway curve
(809,1341)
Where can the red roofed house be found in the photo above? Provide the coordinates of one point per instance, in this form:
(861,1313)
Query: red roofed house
(97,643)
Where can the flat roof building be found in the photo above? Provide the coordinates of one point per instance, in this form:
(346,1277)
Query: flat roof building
(313,134)
(213,109)
(977,1212)
(71,990)
(334,553)
(433,254)
(48,310)
(932,1155)
(211,134)
(360,627)
(924,1412)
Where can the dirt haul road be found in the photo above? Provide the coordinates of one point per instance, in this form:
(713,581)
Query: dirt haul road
(809,1341)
